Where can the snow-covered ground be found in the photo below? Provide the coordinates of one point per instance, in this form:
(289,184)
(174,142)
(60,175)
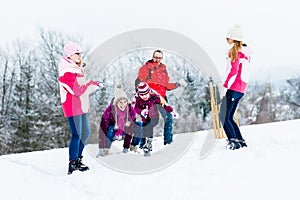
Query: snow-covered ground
(268,169)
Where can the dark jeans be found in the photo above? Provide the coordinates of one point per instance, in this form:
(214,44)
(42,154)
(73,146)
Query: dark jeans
(111,132)
(168,126)
(228,107)
(80,132)
(138,134)
(142,131)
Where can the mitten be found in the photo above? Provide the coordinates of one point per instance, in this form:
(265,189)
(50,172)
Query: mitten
(175,114)
(100,84)
(94,83)
(168,109)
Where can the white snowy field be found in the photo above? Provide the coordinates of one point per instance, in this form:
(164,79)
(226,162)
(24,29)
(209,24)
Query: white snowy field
(269,168)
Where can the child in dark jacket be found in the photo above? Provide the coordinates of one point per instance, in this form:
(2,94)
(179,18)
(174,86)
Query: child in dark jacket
(146,106)
(118,119)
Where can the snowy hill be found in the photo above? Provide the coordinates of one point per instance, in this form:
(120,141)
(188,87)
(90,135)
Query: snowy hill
(267,169)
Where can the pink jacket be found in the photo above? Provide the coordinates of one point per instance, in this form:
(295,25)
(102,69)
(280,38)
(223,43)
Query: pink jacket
(74,90)
(238,72)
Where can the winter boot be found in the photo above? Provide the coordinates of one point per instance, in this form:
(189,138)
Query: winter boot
(133,148)
(237,144)
(101,153)
(243,143)
(168,141)
(233,144)
(147,147)
(106,151)
(81,167)
(72,166)
(125,150)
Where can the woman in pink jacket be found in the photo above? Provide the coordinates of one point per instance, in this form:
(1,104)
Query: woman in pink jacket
(236,83)
(74,92)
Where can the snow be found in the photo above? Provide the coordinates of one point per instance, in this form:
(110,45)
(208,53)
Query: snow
(267,169)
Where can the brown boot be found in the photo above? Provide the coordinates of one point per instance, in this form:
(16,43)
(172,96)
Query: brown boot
(133,148)
(106,151)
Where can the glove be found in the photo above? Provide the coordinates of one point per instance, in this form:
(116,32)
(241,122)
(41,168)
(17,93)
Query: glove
(145,113)
(95,83)
(101,153)
(168,109)
(175,114)
(100,84)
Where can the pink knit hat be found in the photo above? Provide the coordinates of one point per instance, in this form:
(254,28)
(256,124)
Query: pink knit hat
(143,88)
(71,48)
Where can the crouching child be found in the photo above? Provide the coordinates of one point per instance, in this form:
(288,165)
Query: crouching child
(117,120)
(146,106)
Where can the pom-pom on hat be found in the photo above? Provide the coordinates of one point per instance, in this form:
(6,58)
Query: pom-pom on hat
(119,94)
(71,48)
(235,33)
(143,88)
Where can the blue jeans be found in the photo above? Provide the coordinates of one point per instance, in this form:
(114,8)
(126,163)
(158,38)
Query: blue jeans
(111,132)
(138,134)
(142,131)
(168,126)
(228,107)
(80,132)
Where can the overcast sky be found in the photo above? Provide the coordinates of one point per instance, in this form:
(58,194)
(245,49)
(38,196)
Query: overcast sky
(271,28)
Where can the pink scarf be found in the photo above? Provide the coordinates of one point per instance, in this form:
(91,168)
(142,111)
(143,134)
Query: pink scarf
(121,118)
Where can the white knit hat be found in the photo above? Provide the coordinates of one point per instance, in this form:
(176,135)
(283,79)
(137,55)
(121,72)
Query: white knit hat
(235,33)
(119,94)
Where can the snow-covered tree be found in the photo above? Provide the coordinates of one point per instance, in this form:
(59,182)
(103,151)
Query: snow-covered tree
(7,80)
(290,99)
(23,108)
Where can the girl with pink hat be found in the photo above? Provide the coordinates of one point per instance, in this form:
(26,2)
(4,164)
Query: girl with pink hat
(74,93)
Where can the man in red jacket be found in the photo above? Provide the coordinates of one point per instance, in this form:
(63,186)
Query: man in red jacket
(154,72)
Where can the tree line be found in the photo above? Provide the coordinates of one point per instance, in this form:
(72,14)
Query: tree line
(31,117)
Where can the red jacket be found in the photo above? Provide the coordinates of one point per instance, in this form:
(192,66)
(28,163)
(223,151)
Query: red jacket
(156,76)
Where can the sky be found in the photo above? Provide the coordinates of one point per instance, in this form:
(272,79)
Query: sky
(270,28)
(267,169)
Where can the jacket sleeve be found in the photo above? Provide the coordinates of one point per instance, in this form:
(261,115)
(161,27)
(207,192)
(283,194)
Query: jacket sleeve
(168,86)
(70,83)
(104,124)
(231,76)
(171,86)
